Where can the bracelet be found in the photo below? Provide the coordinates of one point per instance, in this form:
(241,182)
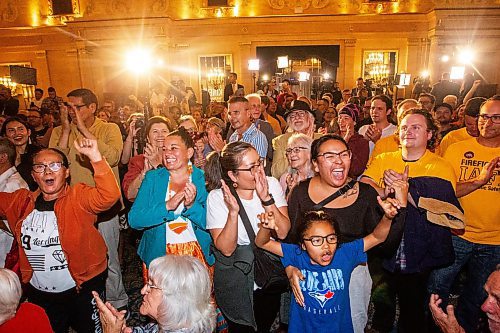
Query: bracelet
(268,202)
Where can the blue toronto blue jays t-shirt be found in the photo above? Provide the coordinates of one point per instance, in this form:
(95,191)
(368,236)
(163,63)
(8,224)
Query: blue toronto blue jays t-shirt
(325,289)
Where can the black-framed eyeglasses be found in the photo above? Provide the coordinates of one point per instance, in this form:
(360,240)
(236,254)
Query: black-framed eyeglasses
(319,240)
(495,119)
(297,114)
(41,168)
(332,156)
(77,107)
(252,169)
(295,150)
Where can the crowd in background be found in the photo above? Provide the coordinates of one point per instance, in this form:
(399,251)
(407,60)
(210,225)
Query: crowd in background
(212,180)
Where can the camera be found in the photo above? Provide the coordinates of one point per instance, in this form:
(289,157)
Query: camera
(140,123)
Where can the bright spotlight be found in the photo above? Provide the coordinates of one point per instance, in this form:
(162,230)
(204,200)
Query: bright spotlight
(457,72)
(265,77)
(326,76)
(466,56)
(282,62)
(253,65)
(445,58)
(303,76)
(138,61)
(424,74)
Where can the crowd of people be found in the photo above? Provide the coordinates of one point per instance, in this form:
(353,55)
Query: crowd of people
(268,211)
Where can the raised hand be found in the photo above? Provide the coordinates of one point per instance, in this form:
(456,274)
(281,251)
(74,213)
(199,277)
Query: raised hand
(112,320)
(348,133)
(261,185)
(446,321)
(153,155)
(373,133)
(488,170)
(189,194)
(229,199)
(63,109)
(268,221)
(215,141)
(132,131)
(390,176)
(88,147)
(292,179)
(390,207)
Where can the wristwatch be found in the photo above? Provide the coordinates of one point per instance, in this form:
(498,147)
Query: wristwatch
(268,202)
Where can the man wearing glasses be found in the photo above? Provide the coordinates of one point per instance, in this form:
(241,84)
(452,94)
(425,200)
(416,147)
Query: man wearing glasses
(300,119)
(78,120)
(477,162)
(465,133)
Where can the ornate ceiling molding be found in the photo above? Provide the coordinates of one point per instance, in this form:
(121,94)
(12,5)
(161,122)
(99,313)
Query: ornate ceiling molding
(304,4)
(9,12)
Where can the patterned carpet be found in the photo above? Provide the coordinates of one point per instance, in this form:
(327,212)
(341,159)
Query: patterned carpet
(132,275)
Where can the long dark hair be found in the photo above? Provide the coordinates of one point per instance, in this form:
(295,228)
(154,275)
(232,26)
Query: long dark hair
(219,164)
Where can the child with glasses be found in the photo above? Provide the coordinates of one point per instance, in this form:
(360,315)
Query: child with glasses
(320,303)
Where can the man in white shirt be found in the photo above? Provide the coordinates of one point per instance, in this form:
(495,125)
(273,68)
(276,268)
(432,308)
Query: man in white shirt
(379,112)
(10,181)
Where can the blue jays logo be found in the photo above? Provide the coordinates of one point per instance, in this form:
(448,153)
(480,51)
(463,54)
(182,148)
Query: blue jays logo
(322,296)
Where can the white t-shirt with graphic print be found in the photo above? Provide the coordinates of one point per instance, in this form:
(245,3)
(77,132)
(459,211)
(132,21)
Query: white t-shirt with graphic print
(41,243)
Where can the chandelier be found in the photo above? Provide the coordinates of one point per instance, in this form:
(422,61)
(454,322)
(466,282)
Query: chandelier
(215,78)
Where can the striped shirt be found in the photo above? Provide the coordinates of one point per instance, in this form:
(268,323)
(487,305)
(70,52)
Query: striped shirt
(254,137)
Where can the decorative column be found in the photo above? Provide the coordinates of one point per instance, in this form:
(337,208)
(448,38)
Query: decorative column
(347,63)
(42,67)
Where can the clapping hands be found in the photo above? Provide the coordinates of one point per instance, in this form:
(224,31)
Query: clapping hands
(373,133)
(229,199)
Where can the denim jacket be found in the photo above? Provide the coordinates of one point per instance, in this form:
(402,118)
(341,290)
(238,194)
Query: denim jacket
(149,213)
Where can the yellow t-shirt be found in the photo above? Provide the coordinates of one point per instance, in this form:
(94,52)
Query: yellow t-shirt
(451,138)
(385,145)
(428,165)
(482,207)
